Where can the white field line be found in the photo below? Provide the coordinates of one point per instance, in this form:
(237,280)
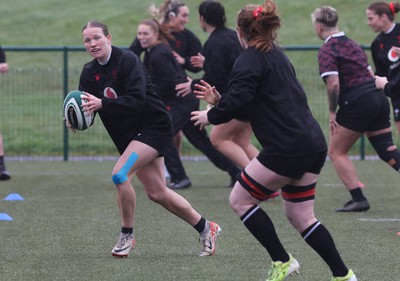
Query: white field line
(379,220)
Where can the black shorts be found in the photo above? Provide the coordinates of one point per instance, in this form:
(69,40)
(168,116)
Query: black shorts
(157,133)
(154,138)
(396,109)
(370,112)
(293,167)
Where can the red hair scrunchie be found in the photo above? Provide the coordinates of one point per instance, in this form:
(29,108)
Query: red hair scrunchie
(392,9)
(257,12)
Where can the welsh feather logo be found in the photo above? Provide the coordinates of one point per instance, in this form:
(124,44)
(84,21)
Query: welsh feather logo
(110,93)
(392,55)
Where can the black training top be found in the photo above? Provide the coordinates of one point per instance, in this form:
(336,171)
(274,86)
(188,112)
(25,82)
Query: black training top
(386,62)
(185,43)
(129,100)
(220,51)
(265,84)
(164,71)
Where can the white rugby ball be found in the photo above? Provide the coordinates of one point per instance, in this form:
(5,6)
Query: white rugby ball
(73,111)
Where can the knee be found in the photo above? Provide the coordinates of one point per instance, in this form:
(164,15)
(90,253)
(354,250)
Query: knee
(214,141)
(119,177)
(384,147)
(300,222)
(237,203)
(332,153)
(233,202)
(155,196)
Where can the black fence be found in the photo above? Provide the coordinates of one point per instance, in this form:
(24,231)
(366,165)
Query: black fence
(31,107)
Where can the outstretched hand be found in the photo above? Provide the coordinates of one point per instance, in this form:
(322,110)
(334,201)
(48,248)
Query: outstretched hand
(207,92)
(200,118)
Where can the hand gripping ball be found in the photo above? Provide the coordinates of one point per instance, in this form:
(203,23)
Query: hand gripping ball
(73,111)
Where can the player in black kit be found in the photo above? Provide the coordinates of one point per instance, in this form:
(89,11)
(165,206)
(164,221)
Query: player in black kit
(221,50)
(118,88)
(264,84)
(355,105)
(381,18)
(184,44)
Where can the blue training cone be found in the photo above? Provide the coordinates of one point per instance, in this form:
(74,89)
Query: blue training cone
(5,217)
(13,197)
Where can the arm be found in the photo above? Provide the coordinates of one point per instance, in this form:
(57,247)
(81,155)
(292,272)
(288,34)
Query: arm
(194,47)
(333,91)
(391,88)
(241,90)
(130,87)
(379,66)
(166,72)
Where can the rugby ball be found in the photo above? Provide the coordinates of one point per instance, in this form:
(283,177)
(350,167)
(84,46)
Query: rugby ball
(73,111)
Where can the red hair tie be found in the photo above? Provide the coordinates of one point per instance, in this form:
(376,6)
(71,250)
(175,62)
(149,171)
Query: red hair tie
(392,9)
(257,12)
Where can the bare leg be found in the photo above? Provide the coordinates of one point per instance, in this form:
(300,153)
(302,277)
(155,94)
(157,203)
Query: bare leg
(232,139)
(1,146)
(339,146)
(243,138)
(152,178)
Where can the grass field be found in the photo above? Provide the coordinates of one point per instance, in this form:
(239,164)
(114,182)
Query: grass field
(58,23)
(35,80)
(67,224)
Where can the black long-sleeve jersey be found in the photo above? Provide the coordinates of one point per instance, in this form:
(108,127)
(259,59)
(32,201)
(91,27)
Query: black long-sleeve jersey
(392,87)
(2,55)
(265,84)
(126,91)
(386,63)
(221,50)
(165,72)
(185,43)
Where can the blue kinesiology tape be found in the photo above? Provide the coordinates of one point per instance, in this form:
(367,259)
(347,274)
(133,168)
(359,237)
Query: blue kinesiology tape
(122,175)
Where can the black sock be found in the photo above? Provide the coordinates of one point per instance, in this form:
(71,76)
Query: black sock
(262,228)
(201,225)
(127,230)
(319,238)
(357,195)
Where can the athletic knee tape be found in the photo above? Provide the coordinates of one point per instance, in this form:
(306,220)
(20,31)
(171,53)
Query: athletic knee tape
(298,193)
(122,175)
(254,188)
(387,151)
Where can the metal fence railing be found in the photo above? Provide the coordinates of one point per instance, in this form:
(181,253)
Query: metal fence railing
(31,108)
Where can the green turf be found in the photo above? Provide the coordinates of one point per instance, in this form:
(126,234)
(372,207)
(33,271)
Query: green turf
(59,23)
(33,90)
(68,223)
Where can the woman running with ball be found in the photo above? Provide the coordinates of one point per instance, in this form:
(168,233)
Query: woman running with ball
(118,88)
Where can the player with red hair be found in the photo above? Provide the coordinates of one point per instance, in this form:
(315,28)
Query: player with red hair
(263,84)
